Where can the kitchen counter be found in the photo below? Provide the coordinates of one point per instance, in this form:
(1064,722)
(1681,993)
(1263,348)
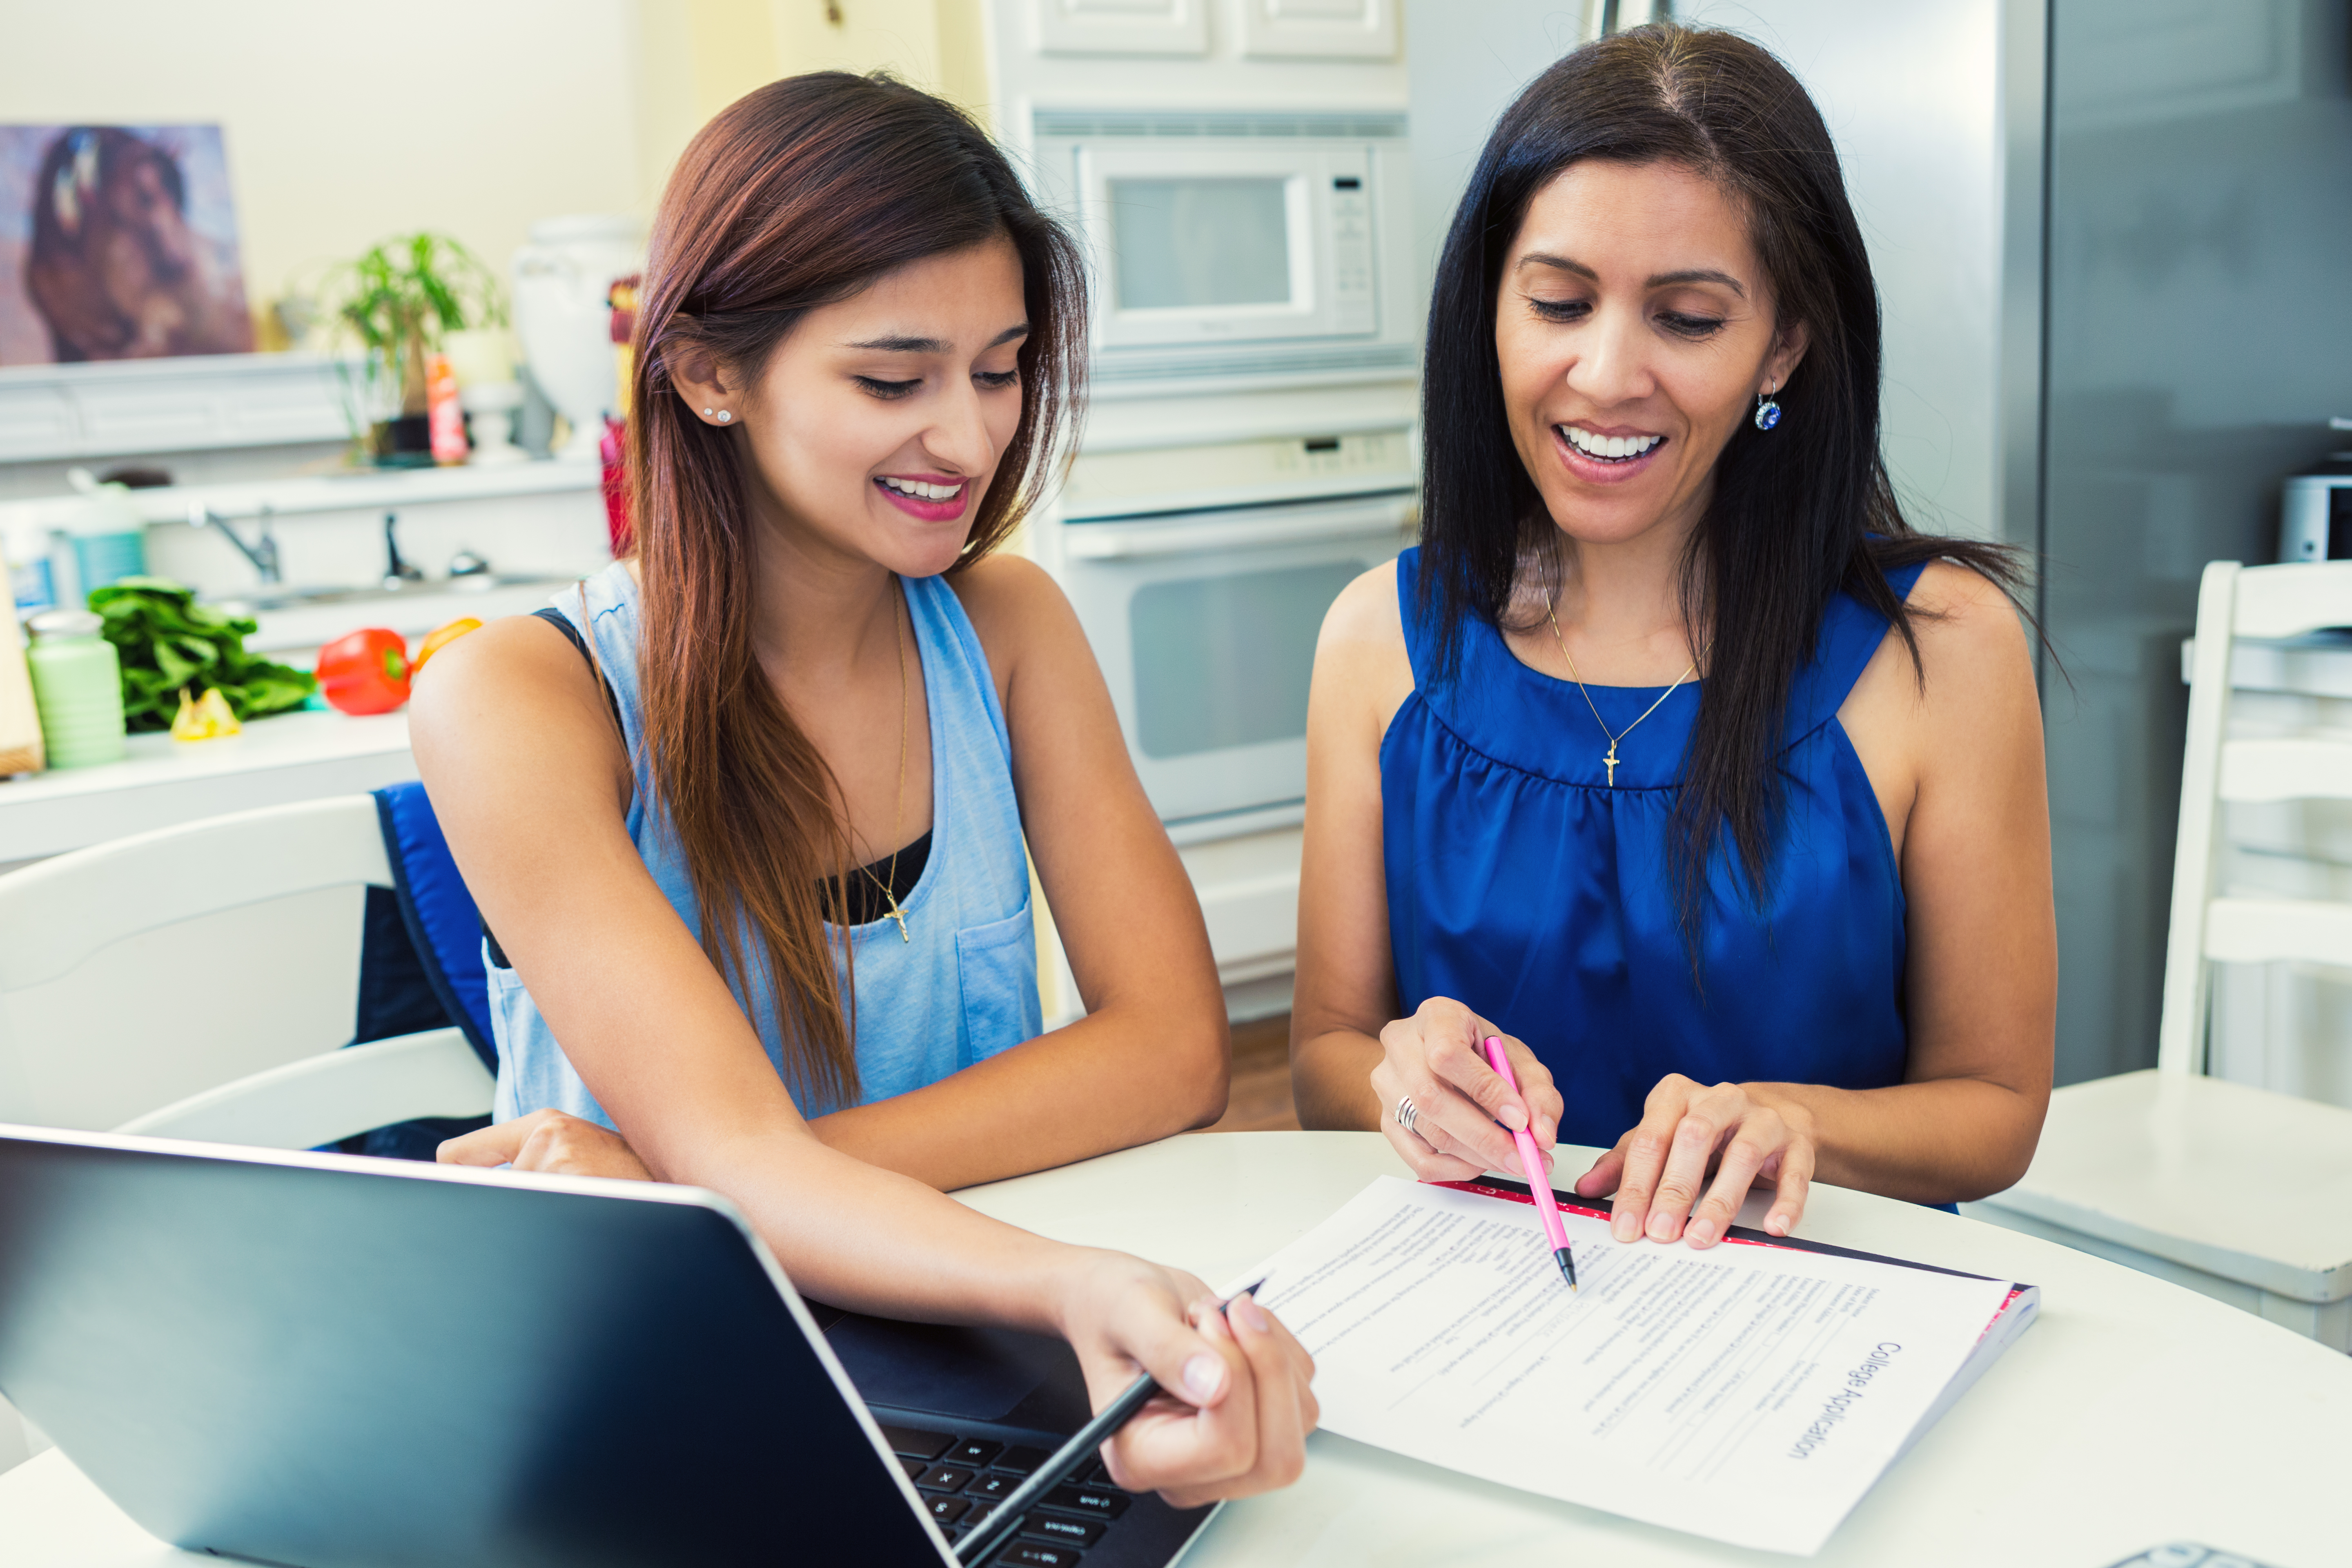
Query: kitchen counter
(302,629)
(163,783)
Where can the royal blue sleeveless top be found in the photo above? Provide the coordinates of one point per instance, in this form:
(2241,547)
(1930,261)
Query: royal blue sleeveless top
(1523,885)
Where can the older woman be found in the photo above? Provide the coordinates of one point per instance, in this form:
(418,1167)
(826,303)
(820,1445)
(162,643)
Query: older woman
(1674,756)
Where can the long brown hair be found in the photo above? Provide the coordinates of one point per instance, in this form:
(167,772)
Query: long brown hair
(797,195)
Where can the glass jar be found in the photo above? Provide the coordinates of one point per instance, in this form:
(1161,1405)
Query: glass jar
(78,687)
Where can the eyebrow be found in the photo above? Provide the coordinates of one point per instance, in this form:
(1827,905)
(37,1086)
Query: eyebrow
(1657,280)
(912,346)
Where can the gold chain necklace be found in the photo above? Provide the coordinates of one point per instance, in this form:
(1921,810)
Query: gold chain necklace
(1552,614)
(897,812)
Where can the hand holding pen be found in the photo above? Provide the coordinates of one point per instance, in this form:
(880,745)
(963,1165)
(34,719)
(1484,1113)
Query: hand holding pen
(1234,1423)
(1445,1109)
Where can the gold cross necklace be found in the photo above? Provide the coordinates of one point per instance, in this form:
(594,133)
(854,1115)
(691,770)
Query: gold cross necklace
(898,812)
(1551,612)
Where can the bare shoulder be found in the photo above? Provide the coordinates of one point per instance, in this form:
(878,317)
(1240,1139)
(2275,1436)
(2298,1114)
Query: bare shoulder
(1019,614)
(515,681)
(1365,613)
(1008,593)
(1361,664)
(1969,633)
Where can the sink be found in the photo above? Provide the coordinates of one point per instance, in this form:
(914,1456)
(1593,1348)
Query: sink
(276,597)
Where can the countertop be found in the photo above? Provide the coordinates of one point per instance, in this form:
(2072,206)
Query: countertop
(163,783)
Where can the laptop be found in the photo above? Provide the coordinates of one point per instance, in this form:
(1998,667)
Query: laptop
(329,1361)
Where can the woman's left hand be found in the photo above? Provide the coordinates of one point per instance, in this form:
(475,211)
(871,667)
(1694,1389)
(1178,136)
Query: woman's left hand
(548,1141)
(1741,1132)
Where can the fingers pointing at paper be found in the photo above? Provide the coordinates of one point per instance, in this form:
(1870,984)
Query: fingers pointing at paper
(1462,1110)
(1687,1168)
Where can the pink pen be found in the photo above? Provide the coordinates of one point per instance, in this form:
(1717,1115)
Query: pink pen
(1538,1183)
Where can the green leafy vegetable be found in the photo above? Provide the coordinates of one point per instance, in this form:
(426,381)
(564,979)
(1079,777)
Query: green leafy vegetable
(166,641)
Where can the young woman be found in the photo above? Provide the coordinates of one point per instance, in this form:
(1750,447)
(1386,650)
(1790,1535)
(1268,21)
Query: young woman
(1674,756)
(746,818)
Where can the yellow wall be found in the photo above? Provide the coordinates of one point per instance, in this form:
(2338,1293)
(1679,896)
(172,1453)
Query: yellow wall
(695,57)
(346,122)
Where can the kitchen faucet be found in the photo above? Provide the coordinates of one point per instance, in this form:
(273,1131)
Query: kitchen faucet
(397,573)
(262,552)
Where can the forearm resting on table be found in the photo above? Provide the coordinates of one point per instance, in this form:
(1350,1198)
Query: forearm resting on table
(1331,1080)
(1111,1081)
(873,1240)
(1941,1140)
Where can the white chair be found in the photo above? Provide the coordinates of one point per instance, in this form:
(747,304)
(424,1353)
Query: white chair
(125,1004)
(100,947)
(2236,1192)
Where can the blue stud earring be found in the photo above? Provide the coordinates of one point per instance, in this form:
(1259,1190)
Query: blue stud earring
(1768,412)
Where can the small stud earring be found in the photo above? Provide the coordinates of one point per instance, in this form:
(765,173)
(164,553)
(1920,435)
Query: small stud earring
(706,414)
(1768,412)
(724,416)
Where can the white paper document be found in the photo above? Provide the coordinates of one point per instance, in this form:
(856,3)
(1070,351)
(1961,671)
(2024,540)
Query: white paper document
(1750,1394)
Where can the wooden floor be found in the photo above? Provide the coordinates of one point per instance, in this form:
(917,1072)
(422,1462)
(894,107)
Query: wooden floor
(1260,1101)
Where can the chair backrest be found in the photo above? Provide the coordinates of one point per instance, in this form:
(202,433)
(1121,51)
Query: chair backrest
(136,974)
(2233,601)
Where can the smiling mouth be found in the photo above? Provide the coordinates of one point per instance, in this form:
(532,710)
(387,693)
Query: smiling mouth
(1609,449)
(921,490)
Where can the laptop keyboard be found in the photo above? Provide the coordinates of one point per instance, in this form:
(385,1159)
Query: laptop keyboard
(961,1478)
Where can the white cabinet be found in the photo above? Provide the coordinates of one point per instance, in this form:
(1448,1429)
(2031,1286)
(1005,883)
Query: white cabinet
(1319,29)
(202,403)
(1120,27)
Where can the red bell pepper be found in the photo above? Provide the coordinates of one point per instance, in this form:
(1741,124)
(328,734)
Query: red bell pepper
(366,672)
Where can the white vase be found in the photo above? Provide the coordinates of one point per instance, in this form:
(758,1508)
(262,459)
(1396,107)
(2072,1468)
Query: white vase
(562,281)
(492,405)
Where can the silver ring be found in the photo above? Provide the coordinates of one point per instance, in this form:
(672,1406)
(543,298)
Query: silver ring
(1407,1113)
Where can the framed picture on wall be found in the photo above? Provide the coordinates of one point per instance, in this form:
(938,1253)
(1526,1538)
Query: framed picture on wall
(117,242)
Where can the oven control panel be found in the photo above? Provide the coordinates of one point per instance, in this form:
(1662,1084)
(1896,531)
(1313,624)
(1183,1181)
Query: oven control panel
(1106,484)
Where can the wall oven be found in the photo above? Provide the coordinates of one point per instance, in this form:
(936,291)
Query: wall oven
(1203,613)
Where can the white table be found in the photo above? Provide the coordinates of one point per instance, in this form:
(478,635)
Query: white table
(2133,1413)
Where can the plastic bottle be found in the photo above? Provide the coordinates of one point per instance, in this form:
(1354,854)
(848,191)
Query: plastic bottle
(107,532)
(77,686)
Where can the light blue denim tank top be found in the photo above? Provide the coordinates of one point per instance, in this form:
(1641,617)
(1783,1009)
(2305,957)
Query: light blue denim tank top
(962,987)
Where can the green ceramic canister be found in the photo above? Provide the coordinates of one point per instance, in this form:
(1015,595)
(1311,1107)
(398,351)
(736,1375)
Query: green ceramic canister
(77,687)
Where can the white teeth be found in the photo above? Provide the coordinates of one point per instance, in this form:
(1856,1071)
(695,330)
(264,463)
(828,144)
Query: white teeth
(922,492)
(1609,447)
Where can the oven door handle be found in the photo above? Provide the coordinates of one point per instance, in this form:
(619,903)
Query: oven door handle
(1261,526)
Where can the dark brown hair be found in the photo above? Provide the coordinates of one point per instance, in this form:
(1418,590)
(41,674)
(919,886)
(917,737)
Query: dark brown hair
(797,195)
(1798,512)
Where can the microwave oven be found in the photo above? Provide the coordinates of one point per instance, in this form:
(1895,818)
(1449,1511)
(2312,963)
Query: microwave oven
(1237,245)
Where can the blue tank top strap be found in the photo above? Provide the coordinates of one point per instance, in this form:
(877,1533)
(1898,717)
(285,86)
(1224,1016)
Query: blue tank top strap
(1850,635)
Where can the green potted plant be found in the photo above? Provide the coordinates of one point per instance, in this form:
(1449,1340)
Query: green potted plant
(398,301)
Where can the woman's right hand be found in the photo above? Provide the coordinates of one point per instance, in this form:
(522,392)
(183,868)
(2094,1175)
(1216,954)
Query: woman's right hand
(1433,1058)
(1242,1405)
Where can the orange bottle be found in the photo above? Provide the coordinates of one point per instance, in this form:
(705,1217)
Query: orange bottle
(444,417)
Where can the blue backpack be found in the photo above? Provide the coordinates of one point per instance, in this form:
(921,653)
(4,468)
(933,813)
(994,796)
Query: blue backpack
(420,961)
